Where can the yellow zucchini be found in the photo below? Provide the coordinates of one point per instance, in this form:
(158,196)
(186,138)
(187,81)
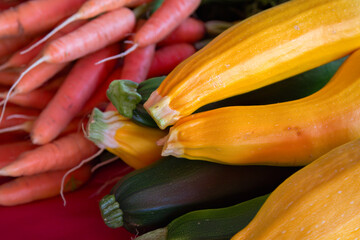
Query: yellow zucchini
(268,47)
(134,144)
(289,133)
(321,201)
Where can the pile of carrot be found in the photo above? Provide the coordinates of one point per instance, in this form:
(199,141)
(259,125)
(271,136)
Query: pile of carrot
(57,59)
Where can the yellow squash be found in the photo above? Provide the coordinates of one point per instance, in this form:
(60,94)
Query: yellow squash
(268,47)
(319,202)
(132,143)
(289,133)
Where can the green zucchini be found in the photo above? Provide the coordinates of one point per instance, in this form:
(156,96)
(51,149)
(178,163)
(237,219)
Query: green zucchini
(151,197)
(209,224)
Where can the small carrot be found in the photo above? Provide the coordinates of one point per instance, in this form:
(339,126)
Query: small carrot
(98,33)
(8,77)
(10,151)
(91,9)
(35,16)
(68,101)
(137,63)
(190,30)
(37,98)
(64,153)
(8,46)
(168,57)
(99,97)
(15,115)
(164,20)
(41,186)
(18,60)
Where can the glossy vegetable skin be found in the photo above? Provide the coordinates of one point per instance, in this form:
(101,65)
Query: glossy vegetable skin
(150,198)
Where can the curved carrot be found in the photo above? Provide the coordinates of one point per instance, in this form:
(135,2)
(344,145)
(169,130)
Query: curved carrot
(168,57)
(35,16)
(98,33)
(8,77)
(8,46)
(10,151)
(78,87)
(41,186)
(190,30)
(64,153)
(137,63)
(90,9)
(18,60)
(15,115)
(164,20)
(37,98)
(99,97)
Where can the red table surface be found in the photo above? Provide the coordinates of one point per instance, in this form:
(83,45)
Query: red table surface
(79,219)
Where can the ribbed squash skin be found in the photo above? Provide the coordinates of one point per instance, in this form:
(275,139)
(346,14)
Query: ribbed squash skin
(291,133)
(270,46)
(320,201)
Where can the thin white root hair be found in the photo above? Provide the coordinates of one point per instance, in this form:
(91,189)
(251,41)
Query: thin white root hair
(38,62)
(74,169)
(99,165)
(51,33)
(21,116)
(15,128)
(123,54)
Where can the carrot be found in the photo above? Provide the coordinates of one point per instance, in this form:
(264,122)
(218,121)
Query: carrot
(190,30)
(164,20)
(137,63)
(37,98)
(93,8)
(18,60)
(64,153)
(98,33)
(99,98)
(41,186)
(8,46)
(15,115)
(10,151)
(168,57)
(78,87)
(35,16)
(8,77)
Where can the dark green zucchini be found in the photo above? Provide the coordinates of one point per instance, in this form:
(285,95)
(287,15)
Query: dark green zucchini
(209,224)
(152,197)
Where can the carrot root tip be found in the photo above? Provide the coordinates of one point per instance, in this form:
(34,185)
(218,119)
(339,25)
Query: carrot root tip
(123,54)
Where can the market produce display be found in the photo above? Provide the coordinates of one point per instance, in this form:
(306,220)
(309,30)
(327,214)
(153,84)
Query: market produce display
(181,119)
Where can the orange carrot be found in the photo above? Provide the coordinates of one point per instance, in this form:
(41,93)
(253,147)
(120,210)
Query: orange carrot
(190,30)
(99,98)
(168,57)
(71,97)
(8,46)
(41,186)
(8,77)
(164,20)
(137,63)
(64,153)
(37,98)
(35,16)
(91,9)
(10,151)
(15,115)
(18,60)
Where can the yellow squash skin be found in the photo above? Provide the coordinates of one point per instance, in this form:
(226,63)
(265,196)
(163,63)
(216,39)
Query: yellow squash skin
(319,202)
(132,143)
(289,133)
(268,47)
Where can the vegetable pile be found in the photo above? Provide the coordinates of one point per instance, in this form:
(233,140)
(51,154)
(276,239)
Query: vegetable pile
(239,118)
